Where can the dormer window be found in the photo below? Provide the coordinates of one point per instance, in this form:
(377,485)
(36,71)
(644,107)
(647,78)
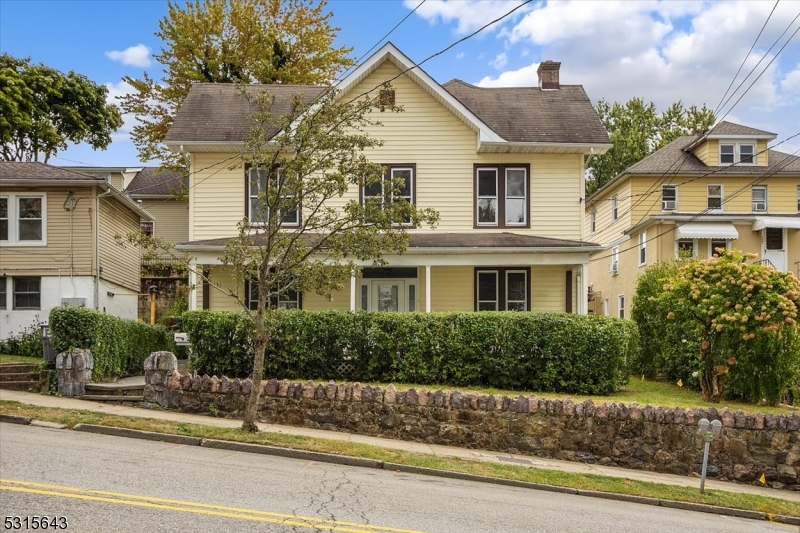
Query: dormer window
(737,154)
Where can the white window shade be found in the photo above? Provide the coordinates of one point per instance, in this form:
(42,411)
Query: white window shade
(706,231)
(776,222)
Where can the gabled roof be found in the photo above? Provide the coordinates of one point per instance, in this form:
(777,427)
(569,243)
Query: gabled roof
(217,114)
(529,114)
(34,171)
(730,129)
(150,182)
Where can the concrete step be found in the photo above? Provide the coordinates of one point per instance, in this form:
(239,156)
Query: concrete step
(25,376)
(20,385)
(18,368)
(111,398)
(111,388)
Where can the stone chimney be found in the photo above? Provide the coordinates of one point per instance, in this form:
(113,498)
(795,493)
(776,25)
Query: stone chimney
(548,75)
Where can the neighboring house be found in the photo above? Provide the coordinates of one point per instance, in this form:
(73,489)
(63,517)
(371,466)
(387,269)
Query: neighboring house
(519,151)
(57,244)
(721,188)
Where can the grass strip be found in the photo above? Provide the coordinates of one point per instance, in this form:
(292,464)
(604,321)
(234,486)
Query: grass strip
(749,502)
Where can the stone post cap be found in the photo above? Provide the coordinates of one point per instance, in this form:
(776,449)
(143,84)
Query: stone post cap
(75,358)
(161,361)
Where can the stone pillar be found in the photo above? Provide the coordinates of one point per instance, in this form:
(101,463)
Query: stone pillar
(74,371)
(157,369)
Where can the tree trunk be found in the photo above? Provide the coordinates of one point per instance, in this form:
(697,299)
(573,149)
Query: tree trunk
(260,342)
(711,381)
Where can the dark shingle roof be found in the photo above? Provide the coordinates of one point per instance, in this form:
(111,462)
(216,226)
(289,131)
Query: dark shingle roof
(219,112)
(729,128)
(674,159)
(150,180)
(461,240)
(529,114)
(20,170)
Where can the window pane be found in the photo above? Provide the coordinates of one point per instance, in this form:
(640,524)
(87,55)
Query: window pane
(714,190)
(774,238)
(364,300)
(27,293)
(487,183)
(412,297)
(517,287)
(746,152)
(290,217)
(256,215)
(388,298)
(375,189)
(726,153)
(30,208)
(715,203)
(515,182)
(487,286)
(401,182)
(515,211)
(30,230)
(252,297)
(3,302)
(487,210)
(516,306)
(3,207)
(487,306)
(759,194)
(3,230)
(718,244)
(686,248)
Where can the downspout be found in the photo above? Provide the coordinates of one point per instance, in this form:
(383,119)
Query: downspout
(97,246)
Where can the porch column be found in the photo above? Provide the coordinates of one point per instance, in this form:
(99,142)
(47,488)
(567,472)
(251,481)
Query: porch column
(353,292)
(427,288)
(193,285)
(583,304)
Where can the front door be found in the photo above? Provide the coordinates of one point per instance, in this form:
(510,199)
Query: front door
(388,295)
(774,247)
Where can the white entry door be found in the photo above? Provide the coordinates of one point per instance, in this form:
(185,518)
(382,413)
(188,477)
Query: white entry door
(388,295)
(774,246)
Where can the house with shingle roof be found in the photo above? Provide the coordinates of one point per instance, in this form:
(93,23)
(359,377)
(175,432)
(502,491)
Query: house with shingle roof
(57,244)
(504,168)
(722,188)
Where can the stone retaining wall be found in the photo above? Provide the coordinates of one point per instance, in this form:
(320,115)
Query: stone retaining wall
(627,435)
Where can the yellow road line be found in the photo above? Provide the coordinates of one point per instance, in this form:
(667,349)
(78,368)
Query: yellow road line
(193,507)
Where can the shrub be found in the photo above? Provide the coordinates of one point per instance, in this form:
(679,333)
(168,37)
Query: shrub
(534,351)
(119,346)
(27,343)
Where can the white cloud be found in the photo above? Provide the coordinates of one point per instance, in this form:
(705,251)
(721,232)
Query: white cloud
(524,77)
(137,56)
(500,61)
(791,83)
(460,55)
(468,14)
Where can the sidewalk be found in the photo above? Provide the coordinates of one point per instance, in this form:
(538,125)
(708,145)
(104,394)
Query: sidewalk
(415,447)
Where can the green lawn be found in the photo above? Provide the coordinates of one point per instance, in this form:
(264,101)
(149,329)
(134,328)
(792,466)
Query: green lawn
(19,359)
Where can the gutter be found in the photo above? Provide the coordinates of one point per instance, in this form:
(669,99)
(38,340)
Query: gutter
(578,147)
(435,250)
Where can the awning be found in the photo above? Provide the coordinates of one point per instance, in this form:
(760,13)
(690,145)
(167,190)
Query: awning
(698,230)
(776,222)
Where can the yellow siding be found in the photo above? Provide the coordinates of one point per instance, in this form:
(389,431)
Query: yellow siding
(607,229)
(708,151)
(31,259)
(120,264)
(172,218)
(221,283)
(451,289)
(548,289)
(340,301)
(705,153)
(442,147)
(762,157)
(115,179)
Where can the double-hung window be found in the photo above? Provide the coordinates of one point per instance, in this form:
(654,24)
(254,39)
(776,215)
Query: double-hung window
(669,197)
(716,244)
(593,221)
(737,153)
(643,248)
(23,219)
(267,188)
(759,198)
(502,289)
(714,197)
(3,293)
(621,306)
(27,293)
(147,227)
(685,248)
(613,267)
(614,208)
(286,299)
(502,196)
(396,185)
(3,218)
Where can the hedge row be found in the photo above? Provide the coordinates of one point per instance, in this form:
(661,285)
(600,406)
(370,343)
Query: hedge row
(119,346)
(534,351)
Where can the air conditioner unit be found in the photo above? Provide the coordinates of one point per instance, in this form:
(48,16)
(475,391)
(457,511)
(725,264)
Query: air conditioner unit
(613,268)
(759,206)
(668,205)
(77,302)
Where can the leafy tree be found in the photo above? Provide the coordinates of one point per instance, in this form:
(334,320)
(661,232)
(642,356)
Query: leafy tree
(41,109)
(637,130)
(229,41)
(733,307)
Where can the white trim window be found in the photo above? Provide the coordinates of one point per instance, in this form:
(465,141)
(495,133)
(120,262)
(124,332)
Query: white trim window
(685,248)
(713,244)
(669,197)
(621,306)
(614,266)
(614,208)
(714,197)
(737,153)
(643,248)
(258,181)
(395,185)
(606,307)
(593,221)
(148,227)
(759,198)
(23,219)
(516,197)
(798,198)
(3,293)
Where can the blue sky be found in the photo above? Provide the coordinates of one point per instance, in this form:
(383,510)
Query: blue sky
(660,51)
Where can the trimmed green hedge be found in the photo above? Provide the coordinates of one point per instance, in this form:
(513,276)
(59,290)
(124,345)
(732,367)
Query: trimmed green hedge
(534,351)
(119,346)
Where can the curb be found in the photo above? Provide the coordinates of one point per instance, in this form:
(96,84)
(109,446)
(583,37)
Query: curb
(381,465)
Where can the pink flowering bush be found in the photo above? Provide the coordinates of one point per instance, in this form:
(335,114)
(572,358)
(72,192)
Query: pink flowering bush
(734,308)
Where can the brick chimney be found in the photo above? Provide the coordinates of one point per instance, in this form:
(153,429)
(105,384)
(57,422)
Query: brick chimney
(548,75)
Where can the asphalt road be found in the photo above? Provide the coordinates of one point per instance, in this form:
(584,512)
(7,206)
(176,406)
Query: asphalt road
(112,484)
